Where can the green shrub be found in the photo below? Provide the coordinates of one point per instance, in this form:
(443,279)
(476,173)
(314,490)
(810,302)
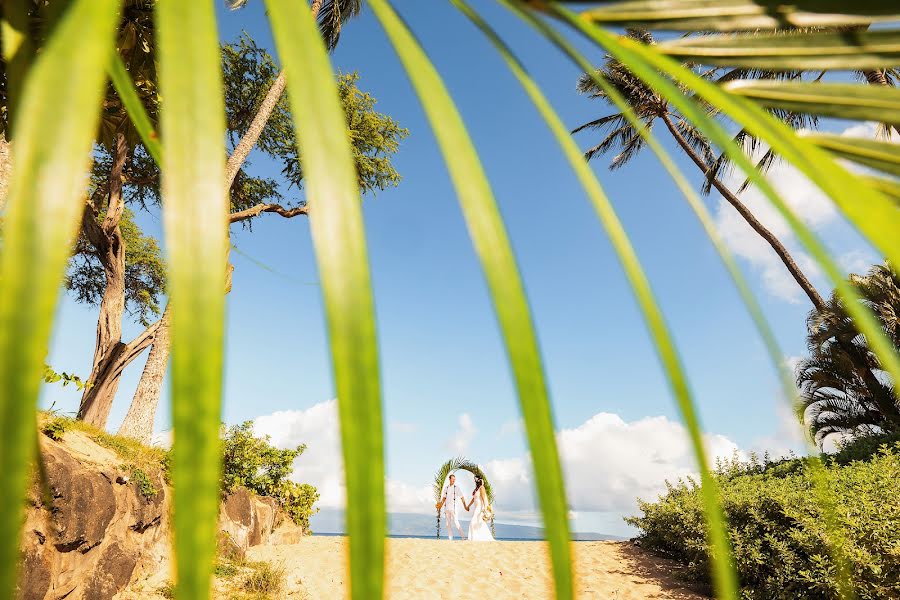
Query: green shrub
(253,462)
(265,580)
(777,531)
(225,569)
(143,483)
(56,427)
(864,447)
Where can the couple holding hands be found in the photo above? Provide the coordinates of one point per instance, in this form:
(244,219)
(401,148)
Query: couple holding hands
(480,525)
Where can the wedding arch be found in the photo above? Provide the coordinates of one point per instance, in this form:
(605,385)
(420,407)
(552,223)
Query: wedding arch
(448,468)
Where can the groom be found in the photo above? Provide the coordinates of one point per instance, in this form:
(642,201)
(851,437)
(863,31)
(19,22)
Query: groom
(449,497)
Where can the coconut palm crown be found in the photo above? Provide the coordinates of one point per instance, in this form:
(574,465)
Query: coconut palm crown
(835,396)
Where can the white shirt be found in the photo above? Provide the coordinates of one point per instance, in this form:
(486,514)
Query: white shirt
(450,495)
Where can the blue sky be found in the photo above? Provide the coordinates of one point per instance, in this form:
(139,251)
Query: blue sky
(446,383)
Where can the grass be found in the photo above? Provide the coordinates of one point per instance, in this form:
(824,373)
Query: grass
(138,456)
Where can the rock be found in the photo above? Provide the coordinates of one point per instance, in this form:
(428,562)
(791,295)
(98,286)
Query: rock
(97,537)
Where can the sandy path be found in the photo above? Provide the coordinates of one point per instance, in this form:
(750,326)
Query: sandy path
(418,569)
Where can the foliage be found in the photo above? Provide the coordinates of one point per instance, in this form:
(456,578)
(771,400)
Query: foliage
(863,447)
(837,396)
(254,463)
(144,270)
(249,73)
(266,580)
(777,528)
(225,569)
(167,590)
(51,376)
(144,485)
(56,428)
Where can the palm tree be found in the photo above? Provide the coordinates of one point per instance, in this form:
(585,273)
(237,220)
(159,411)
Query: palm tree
(836,395)
(649,106)
(331,16)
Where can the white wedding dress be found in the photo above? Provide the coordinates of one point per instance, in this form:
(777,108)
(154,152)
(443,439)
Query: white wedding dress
(479,531)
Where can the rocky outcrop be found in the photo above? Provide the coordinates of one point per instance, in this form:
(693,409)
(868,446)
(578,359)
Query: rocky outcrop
(98,534)
(247,520)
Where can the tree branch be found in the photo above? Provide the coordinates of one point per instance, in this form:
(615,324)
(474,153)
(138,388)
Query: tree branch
(249,213)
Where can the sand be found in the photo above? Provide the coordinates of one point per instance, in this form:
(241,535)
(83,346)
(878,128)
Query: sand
(425,569)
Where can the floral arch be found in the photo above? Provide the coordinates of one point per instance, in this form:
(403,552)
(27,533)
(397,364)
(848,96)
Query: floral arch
(448,468)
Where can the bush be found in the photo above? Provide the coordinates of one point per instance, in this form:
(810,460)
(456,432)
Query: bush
(777,532)
(863,447)
(266,580)
(56,427)
(253,462)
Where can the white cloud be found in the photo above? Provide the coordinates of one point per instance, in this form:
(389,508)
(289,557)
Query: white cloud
(317,427)
(608,463)
(459,443)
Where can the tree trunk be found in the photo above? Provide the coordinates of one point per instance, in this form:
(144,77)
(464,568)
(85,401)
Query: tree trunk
(880,394)
(138,423)
(251,136)
(146,397)
(107,240)
(751,219)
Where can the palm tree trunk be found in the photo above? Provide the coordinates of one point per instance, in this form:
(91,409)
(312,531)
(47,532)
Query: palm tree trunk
(251,136)
(138,423)
(750,218)
(881,396)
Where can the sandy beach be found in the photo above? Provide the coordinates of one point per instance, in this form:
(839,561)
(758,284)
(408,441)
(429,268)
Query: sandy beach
(417,568)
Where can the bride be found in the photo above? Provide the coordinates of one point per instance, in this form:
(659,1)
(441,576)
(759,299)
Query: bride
(479,526)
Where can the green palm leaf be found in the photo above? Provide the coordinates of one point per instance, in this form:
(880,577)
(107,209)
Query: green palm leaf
(875,215)
(882,156)
(120,78)
(195,216)
(492,246)
(52,151)
(339,239)
(736,15)
(839,100)
(793,51)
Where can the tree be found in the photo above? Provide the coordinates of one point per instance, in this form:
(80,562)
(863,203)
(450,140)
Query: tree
(375,138)
(331,16)
(649,106)
(252,462)
(837,396)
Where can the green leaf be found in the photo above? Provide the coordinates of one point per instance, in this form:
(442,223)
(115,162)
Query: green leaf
(194,216)
(874,215)
(339,239)
(493,248)
(736,15)
(888,187)
(851,50)
(724,575)
(121,79)
(45,202)
(840,100)
(882,156)
(656,70)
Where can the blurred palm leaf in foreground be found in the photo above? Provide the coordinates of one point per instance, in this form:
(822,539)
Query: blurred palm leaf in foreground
(50,143)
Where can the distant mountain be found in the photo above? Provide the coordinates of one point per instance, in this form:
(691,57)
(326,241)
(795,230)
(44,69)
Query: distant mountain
(331,522)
